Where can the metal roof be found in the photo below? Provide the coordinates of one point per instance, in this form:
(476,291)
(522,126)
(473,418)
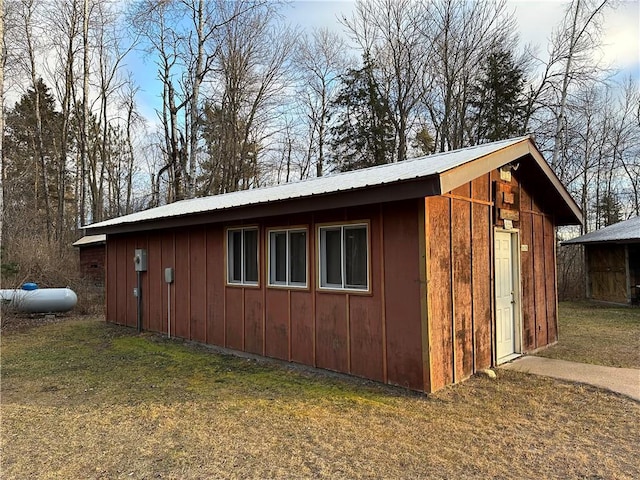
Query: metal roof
(431,167)
(627,231)
(90,240)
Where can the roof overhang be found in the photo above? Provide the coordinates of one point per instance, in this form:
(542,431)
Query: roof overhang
(90,241)
(428,176)
(532,169)
(626,232)
(405,190)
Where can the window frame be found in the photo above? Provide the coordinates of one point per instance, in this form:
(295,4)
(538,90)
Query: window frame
(288,284)
(229,265)
(321,247)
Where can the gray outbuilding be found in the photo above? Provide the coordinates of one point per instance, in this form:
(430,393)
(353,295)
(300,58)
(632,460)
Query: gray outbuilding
(612,256)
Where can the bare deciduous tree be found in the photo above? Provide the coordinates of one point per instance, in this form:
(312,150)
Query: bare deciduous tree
(391,32)
(320,59)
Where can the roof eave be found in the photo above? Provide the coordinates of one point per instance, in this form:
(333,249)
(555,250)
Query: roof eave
(396,191)
(453,178)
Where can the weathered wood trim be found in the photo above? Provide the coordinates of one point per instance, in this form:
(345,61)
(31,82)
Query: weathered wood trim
(424,292)
(452,294)
(492,282)
(471,262)
(467,199)
(541,214)
(465,173)
(555,278)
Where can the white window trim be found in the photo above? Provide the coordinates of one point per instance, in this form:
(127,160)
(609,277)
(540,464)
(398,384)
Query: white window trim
(321,254)
(242,270)
(288,283)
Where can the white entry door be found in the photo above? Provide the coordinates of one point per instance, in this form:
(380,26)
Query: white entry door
(505,297)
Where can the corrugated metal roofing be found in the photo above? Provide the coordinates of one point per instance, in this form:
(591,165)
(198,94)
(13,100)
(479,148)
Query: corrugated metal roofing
(622,232)
(90,240)
(421,167)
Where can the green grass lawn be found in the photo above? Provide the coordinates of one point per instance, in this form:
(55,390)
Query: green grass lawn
(84,399)
(597,333)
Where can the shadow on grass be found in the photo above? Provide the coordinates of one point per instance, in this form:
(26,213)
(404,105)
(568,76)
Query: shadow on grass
(80,361)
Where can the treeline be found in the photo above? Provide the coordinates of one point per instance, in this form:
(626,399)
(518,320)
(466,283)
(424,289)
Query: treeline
(246,100)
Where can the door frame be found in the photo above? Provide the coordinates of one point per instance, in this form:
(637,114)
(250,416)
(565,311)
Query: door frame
(516,276)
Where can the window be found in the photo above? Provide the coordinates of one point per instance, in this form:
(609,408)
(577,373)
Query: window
(344,257)
(288,257)
(242,256)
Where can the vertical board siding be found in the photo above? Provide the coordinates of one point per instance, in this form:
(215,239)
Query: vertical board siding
(277,323)
(234,318)
(197,284)
(182,285)
(461,264)
(215,285)
(550,273)
(481,282)
(253,328)
(168,293)
(302,335)
(527,273)
(481,188)
(540,279)
(364,334)
(93,263)
(131,282)
(402,295)
(438,216)
(155,277)
(365,315)
(112,280)
(331,332)
(366,337)
(120,280)
(607,272)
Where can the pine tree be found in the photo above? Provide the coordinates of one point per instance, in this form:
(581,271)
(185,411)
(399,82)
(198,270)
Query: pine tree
(25,184)
(609,210)
(363,135)
(498,99)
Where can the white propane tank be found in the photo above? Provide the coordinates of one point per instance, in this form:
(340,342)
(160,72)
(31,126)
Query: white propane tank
(40,300)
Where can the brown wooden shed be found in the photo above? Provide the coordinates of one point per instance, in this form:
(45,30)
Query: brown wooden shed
(418,273)
(612,257)
(92,253)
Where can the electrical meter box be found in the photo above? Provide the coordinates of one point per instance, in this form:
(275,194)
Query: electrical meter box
(168,275)
(140,259)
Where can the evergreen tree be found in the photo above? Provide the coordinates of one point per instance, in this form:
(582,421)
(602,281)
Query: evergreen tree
(608,210)
(498,99)
(24,182)
(363,135)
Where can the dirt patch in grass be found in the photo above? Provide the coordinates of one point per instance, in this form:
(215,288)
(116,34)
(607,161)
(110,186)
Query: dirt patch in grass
(85,399)
(597,333)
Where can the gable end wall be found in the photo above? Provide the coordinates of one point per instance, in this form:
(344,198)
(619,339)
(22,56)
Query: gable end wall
(459,230)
